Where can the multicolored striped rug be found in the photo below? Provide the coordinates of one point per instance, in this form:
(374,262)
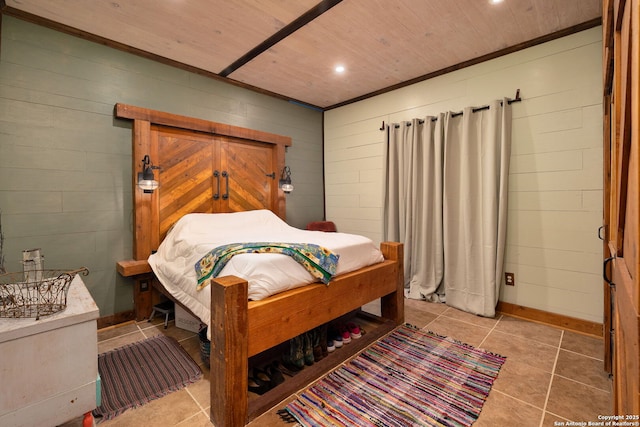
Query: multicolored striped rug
(137,373)
(409,378)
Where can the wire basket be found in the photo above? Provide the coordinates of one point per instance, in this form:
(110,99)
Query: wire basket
(35,293)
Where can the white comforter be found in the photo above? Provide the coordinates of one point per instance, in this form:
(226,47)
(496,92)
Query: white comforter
(196,234)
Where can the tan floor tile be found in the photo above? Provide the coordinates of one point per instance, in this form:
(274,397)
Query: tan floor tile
(201,390)
(116,331)
(169,410)
(271,418)
(419,318)
(576,401)
(532,353)
(171,331)
(420,305)
(583,369)
(198,420)
(157,320)
(530,330)
(524,382)
(419,313)
(473,319)
(503,410)
(192,346)
(553,420)
(583,344)
(119,341)
(461,331)
(154,330)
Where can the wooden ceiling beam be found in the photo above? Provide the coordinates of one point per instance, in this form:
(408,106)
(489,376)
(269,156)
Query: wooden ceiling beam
(285,32)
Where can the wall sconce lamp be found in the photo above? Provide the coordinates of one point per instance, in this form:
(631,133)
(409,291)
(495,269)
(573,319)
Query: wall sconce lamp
(146,181)
(285,180)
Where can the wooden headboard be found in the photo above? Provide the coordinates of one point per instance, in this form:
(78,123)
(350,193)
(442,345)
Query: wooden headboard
(203,167)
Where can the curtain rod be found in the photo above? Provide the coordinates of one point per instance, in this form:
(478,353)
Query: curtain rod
(475,110)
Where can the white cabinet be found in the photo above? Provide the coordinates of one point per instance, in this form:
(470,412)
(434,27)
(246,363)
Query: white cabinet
(49,367)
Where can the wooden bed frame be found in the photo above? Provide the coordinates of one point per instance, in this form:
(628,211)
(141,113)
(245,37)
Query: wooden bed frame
(240,328)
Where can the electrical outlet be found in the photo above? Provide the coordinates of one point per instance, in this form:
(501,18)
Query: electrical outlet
(509,279)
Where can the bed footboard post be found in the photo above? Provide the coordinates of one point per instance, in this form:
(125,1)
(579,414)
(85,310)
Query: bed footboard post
(229,352)
(392,305)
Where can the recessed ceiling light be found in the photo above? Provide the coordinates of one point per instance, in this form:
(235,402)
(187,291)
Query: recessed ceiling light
(339,69)
(495,1)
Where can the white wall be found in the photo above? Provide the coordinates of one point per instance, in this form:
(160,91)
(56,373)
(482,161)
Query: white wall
(555,181)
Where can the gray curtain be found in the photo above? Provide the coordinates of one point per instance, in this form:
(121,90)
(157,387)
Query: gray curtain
(446,200)
(413,202)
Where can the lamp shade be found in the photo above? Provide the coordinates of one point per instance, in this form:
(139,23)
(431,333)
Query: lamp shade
(285,180)
(287,187)
(146,180)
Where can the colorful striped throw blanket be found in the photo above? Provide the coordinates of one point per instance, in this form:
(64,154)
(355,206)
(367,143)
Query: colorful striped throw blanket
(320,262)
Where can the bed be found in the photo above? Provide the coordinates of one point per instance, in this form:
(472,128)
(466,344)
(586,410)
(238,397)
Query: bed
(196,235)
(242,326)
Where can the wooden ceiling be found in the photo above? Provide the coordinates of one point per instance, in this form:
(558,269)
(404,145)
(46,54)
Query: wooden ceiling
(289,48)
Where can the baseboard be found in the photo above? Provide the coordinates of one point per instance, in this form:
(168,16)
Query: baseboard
(565,322)
(117,318)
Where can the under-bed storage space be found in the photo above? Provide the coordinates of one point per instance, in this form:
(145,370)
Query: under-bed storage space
(373,327)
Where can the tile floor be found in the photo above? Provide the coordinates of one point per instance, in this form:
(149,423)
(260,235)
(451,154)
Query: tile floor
(551,376)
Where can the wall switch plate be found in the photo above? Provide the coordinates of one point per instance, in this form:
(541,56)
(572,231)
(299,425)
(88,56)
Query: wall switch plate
(509,279)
